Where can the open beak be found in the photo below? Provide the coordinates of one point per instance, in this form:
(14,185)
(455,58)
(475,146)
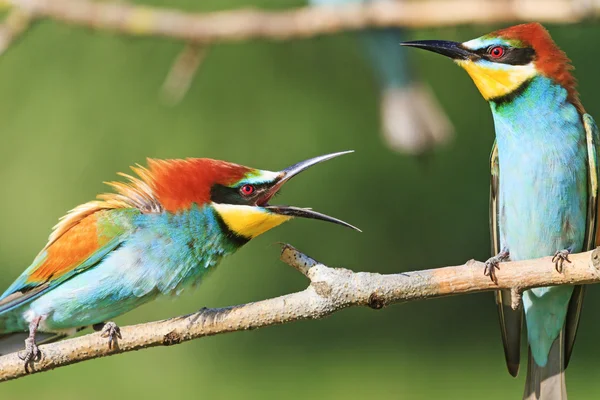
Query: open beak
(291,211)
(454,50)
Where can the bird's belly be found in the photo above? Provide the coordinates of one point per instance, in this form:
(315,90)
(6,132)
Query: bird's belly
(542,211)
(127,279)
(543,204)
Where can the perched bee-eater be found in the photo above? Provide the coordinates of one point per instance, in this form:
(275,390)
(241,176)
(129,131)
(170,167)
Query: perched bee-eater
(544,185)
(159,233)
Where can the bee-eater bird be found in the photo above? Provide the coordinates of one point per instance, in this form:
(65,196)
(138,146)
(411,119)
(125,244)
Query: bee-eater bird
(412,121)
(543,189)
(160,233)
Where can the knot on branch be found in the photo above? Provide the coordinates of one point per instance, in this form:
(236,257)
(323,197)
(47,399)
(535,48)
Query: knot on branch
(516,298)
(171,338)
(596,258)
(376,301)
(322,288)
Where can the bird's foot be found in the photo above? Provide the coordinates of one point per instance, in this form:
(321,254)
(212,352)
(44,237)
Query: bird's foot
(559,259)
(493,263)
(111,331)
(31,354)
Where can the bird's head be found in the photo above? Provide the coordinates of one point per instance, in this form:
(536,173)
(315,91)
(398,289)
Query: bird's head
(503,62)
(240,195)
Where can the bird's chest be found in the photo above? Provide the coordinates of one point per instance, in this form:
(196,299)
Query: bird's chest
(542,194)
(176,252)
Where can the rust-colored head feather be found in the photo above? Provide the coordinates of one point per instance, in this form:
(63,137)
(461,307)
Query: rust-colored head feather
(170,185)
(179,183)
(550,60)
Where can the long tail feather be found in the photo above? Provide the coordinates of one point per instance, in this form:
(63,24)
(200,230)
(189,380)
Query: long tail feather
(12,342)
(548,382)
(511,322)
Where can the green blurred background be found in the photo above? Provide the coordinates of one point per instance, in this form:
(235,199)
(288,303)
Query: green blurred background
(78,106)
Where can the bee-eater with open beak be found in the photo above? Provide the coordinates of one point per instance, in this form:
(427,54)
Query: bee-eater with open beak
(159,233)
(544,185)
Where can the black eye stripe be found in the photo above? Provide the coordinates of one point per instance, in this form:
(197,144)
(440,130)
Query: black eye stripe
(233,195)
(511,56)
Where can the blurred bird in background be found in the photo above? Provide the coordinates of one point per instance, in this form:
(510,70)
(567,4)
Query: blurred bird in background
(158,234)
(544,186)
(412,120)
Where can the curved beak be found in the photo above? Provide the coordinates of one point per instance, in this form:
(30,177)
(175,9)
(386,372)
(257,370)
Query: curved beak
(295,169)
(454,50)
(291,211)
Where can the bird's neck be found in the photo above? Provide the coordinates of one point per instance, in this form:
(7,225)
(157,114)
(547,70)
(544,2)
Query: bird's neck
(199,230)
(180,248)
(538,110)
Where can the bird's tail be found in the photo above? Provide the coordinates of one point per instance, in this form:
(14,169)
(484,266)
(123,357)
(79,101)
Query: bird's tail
(548,382)
(11,342)
(15,341)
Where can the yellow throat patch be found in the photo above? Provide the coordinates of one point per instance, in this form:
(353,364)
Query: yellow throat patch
(248,221)
(499,80)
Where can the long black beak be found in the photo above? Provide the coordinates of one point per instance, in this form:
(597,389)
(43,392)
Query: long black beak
(454,50)
(291,211)
(295,169)
(308,213)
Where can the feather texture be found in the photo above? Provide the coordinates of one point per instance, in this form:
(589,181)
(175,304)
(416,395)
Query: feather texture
(550,60)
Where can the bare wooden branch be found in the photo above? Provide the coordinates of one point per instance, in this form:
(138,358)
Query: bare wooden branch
(302,22)
(330,290)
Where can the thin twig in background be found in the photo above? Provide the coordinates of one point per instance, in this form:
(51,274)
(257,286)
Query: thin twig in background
(182,73)
(14,25)
(203,29)
(248,24)
(330,290)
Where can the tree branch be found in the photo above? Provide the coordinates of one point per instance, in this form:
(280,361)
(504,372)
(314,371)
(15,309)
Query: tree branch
(13,26)
(247,24)
(330,290)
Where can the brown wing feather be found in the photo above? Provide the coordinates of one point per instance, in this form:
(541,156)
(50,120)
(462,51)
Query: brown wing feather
(511,320)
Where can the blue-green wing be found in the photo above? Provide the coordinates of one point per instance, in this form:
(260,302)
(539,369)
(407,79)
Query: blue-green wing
(80,247)
(591,234)
(511,320)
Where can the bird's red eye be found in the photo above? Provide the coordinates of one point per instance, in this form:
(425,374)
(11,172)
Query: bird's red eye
(247,190)
(497,51)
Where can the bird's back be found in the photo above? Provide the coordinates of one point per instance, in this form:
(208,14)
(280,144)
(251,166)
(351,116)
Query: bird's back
(154,253)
